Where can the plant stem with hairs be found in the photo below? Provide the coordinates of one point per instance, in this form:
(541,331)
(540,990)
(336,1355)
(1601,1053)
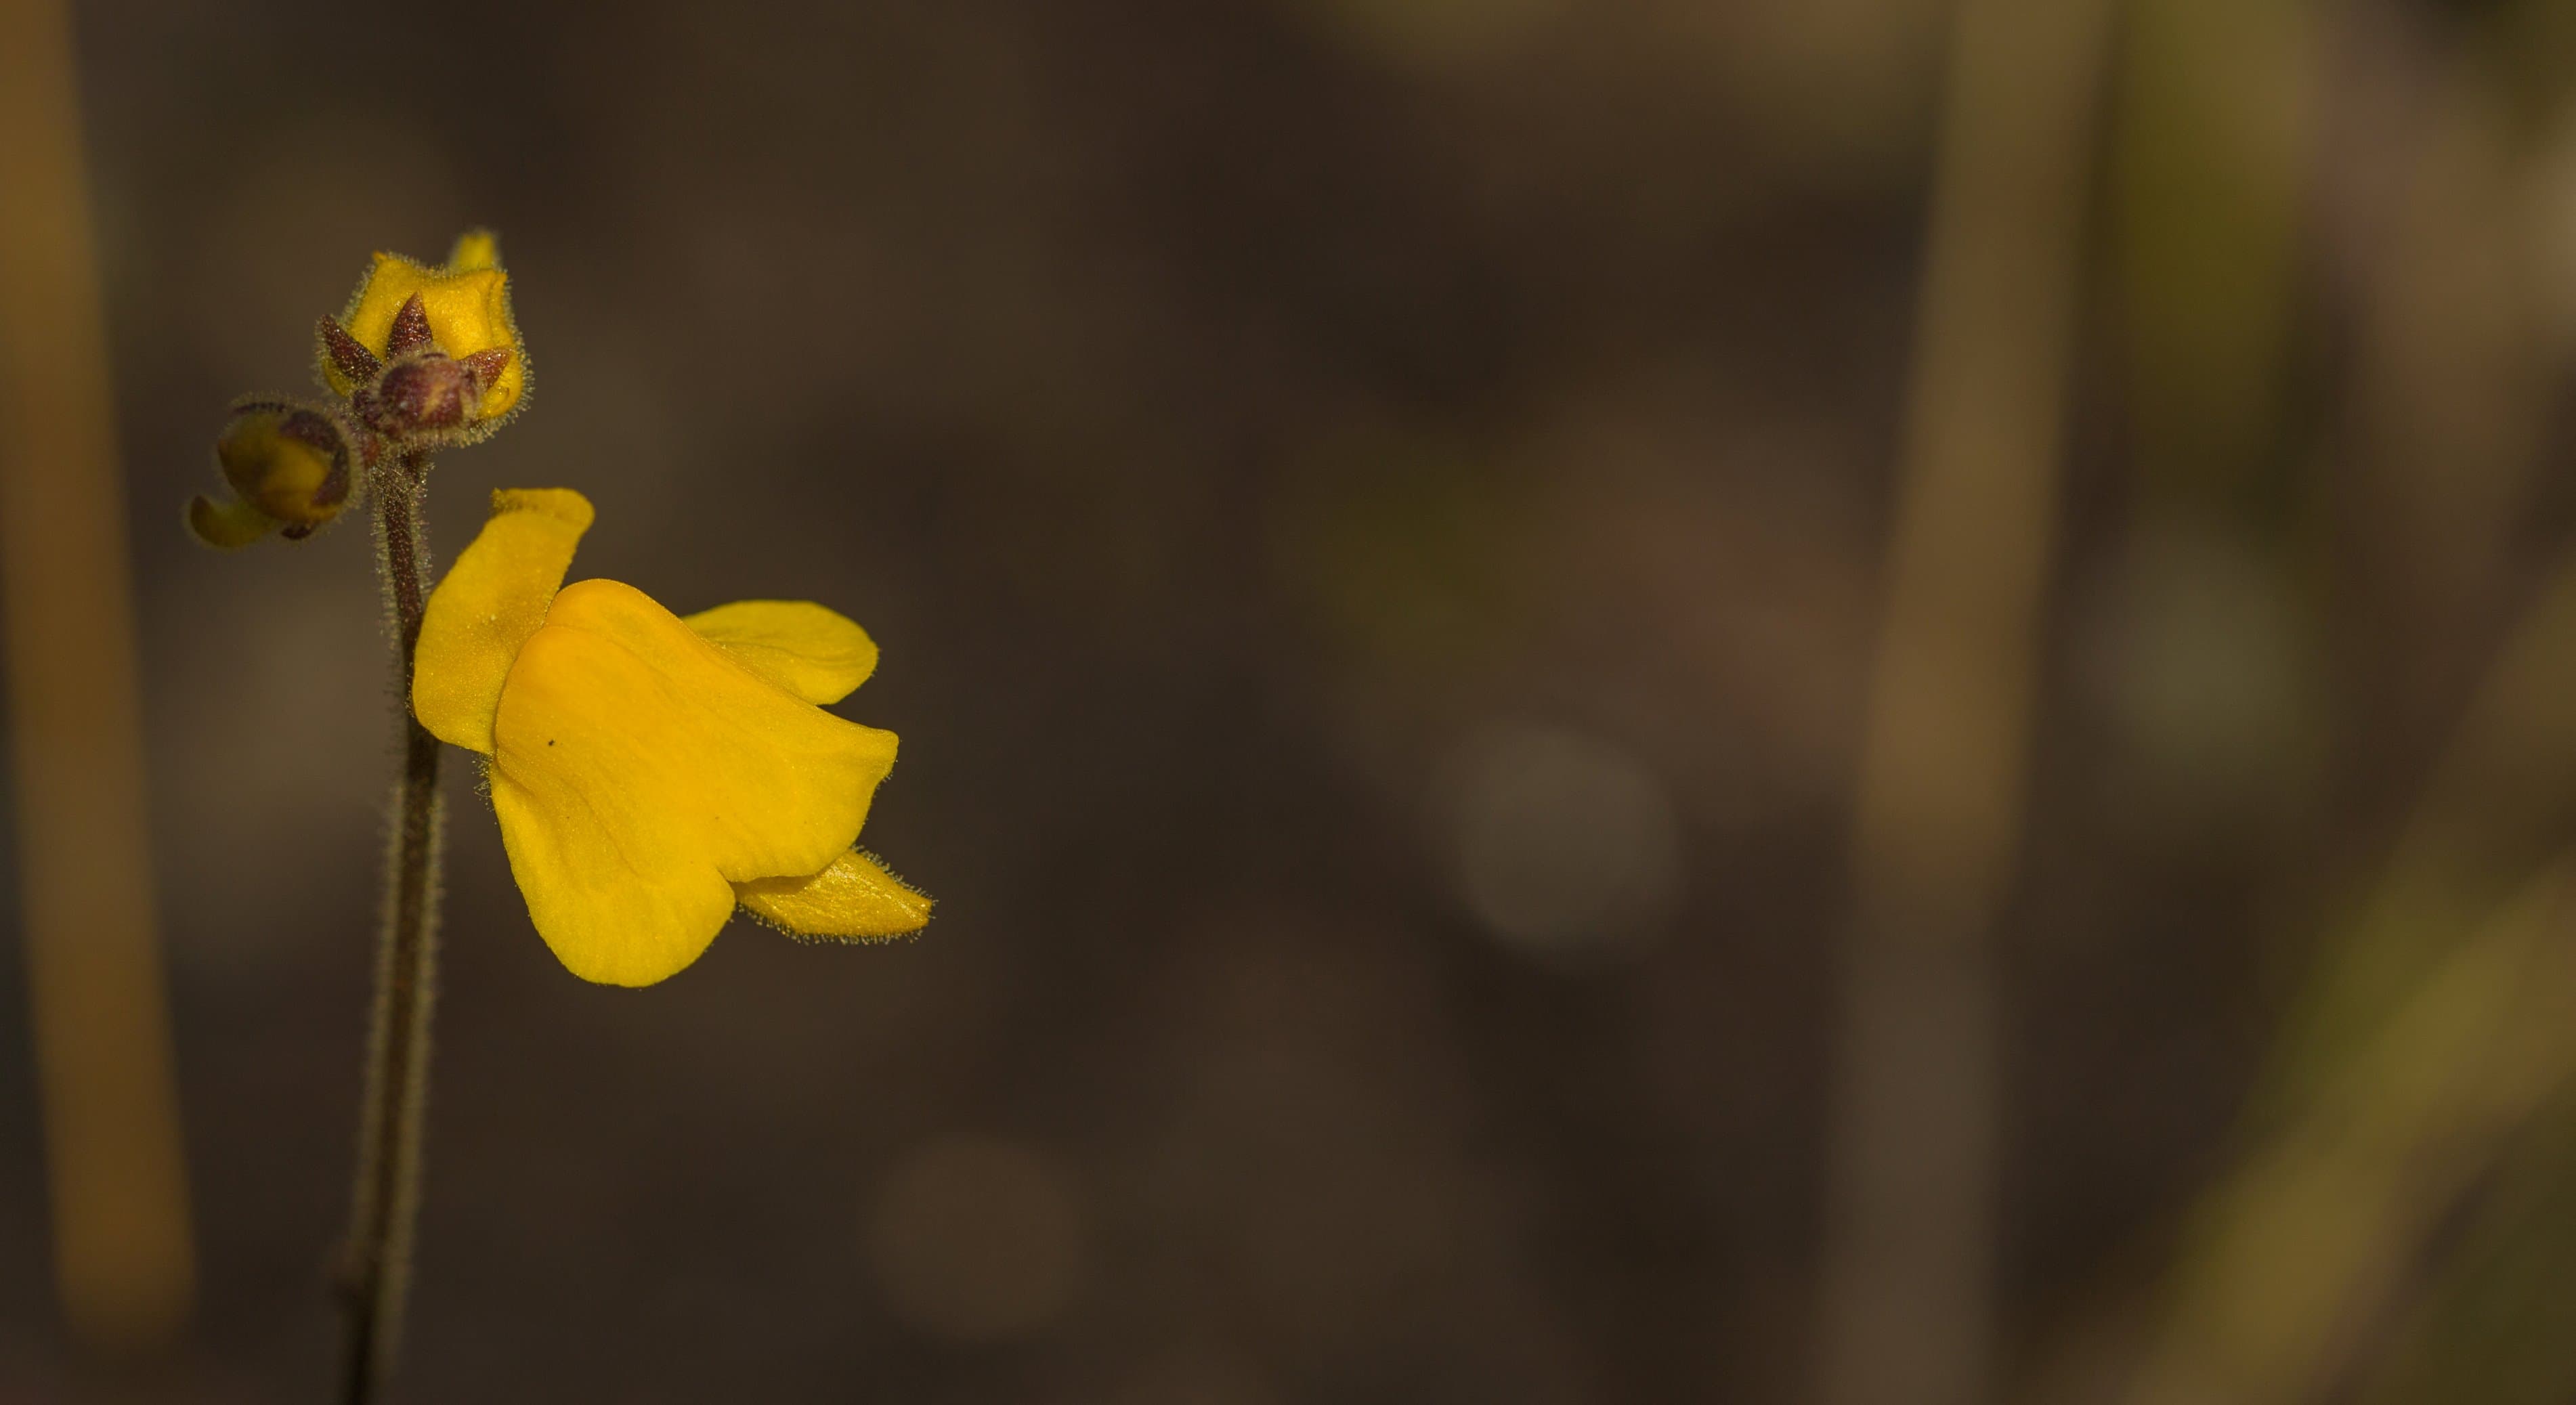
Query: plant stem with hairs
(376,1269)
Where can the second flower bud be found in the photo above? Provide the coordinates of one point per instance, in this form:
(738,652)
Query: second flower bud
(289,467)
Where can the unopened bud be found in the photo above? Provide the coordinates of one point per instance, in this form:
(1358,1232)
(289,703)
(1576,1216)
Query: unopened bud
(405,310)
(289,467)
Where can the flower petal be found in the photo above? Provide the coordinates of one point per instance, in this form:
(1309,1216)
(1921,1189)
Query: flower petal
(229,524)
(815,653)
(639,772)
(855,898)
(612,912)
(492,600)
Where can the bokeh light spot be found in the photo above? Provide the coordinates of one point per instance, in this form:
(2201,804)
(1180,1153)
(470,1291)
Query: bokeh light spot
(1561,840)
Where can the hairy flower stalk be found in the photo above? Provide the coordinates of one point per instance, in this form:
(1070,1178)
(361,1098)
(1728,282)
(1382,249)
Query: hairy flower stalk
(376,1268)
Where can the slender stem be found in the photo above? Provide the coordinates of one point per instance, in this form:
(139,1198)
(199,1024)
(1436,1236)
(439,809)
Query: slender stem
(1910,1206)
(376,1270)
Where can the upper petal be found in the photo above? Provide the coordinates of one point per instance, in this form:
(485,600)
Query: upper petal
(639,772)
(815,653)
(492,600)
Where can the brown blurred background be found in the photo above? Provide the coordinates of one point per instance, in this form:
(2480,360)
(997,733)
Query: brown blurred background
(1379,515)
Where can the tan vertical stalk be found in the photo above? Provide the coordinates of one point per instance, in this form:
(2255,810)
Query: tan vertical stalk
(1909,1215)
(122,1259)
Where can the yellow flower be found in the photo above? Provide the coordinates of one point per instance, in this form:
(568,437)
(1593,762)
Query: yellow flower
(289,467)
(651,772)
(468,303)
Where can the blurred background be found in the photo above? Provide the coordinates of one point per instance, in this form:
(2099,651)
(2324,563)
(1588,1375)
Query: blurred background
(1753,700)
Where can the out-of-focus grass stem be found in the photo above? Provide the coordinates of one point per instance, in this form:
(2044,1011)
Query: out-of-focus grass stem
(122,1258)
(2435,1029)
(2315,1230)
(1909,1211)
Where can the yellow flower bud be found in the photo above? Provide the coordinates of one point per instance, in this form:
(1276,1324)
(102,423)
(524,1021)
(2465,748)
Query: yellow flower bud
(288,466)
(467,306)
